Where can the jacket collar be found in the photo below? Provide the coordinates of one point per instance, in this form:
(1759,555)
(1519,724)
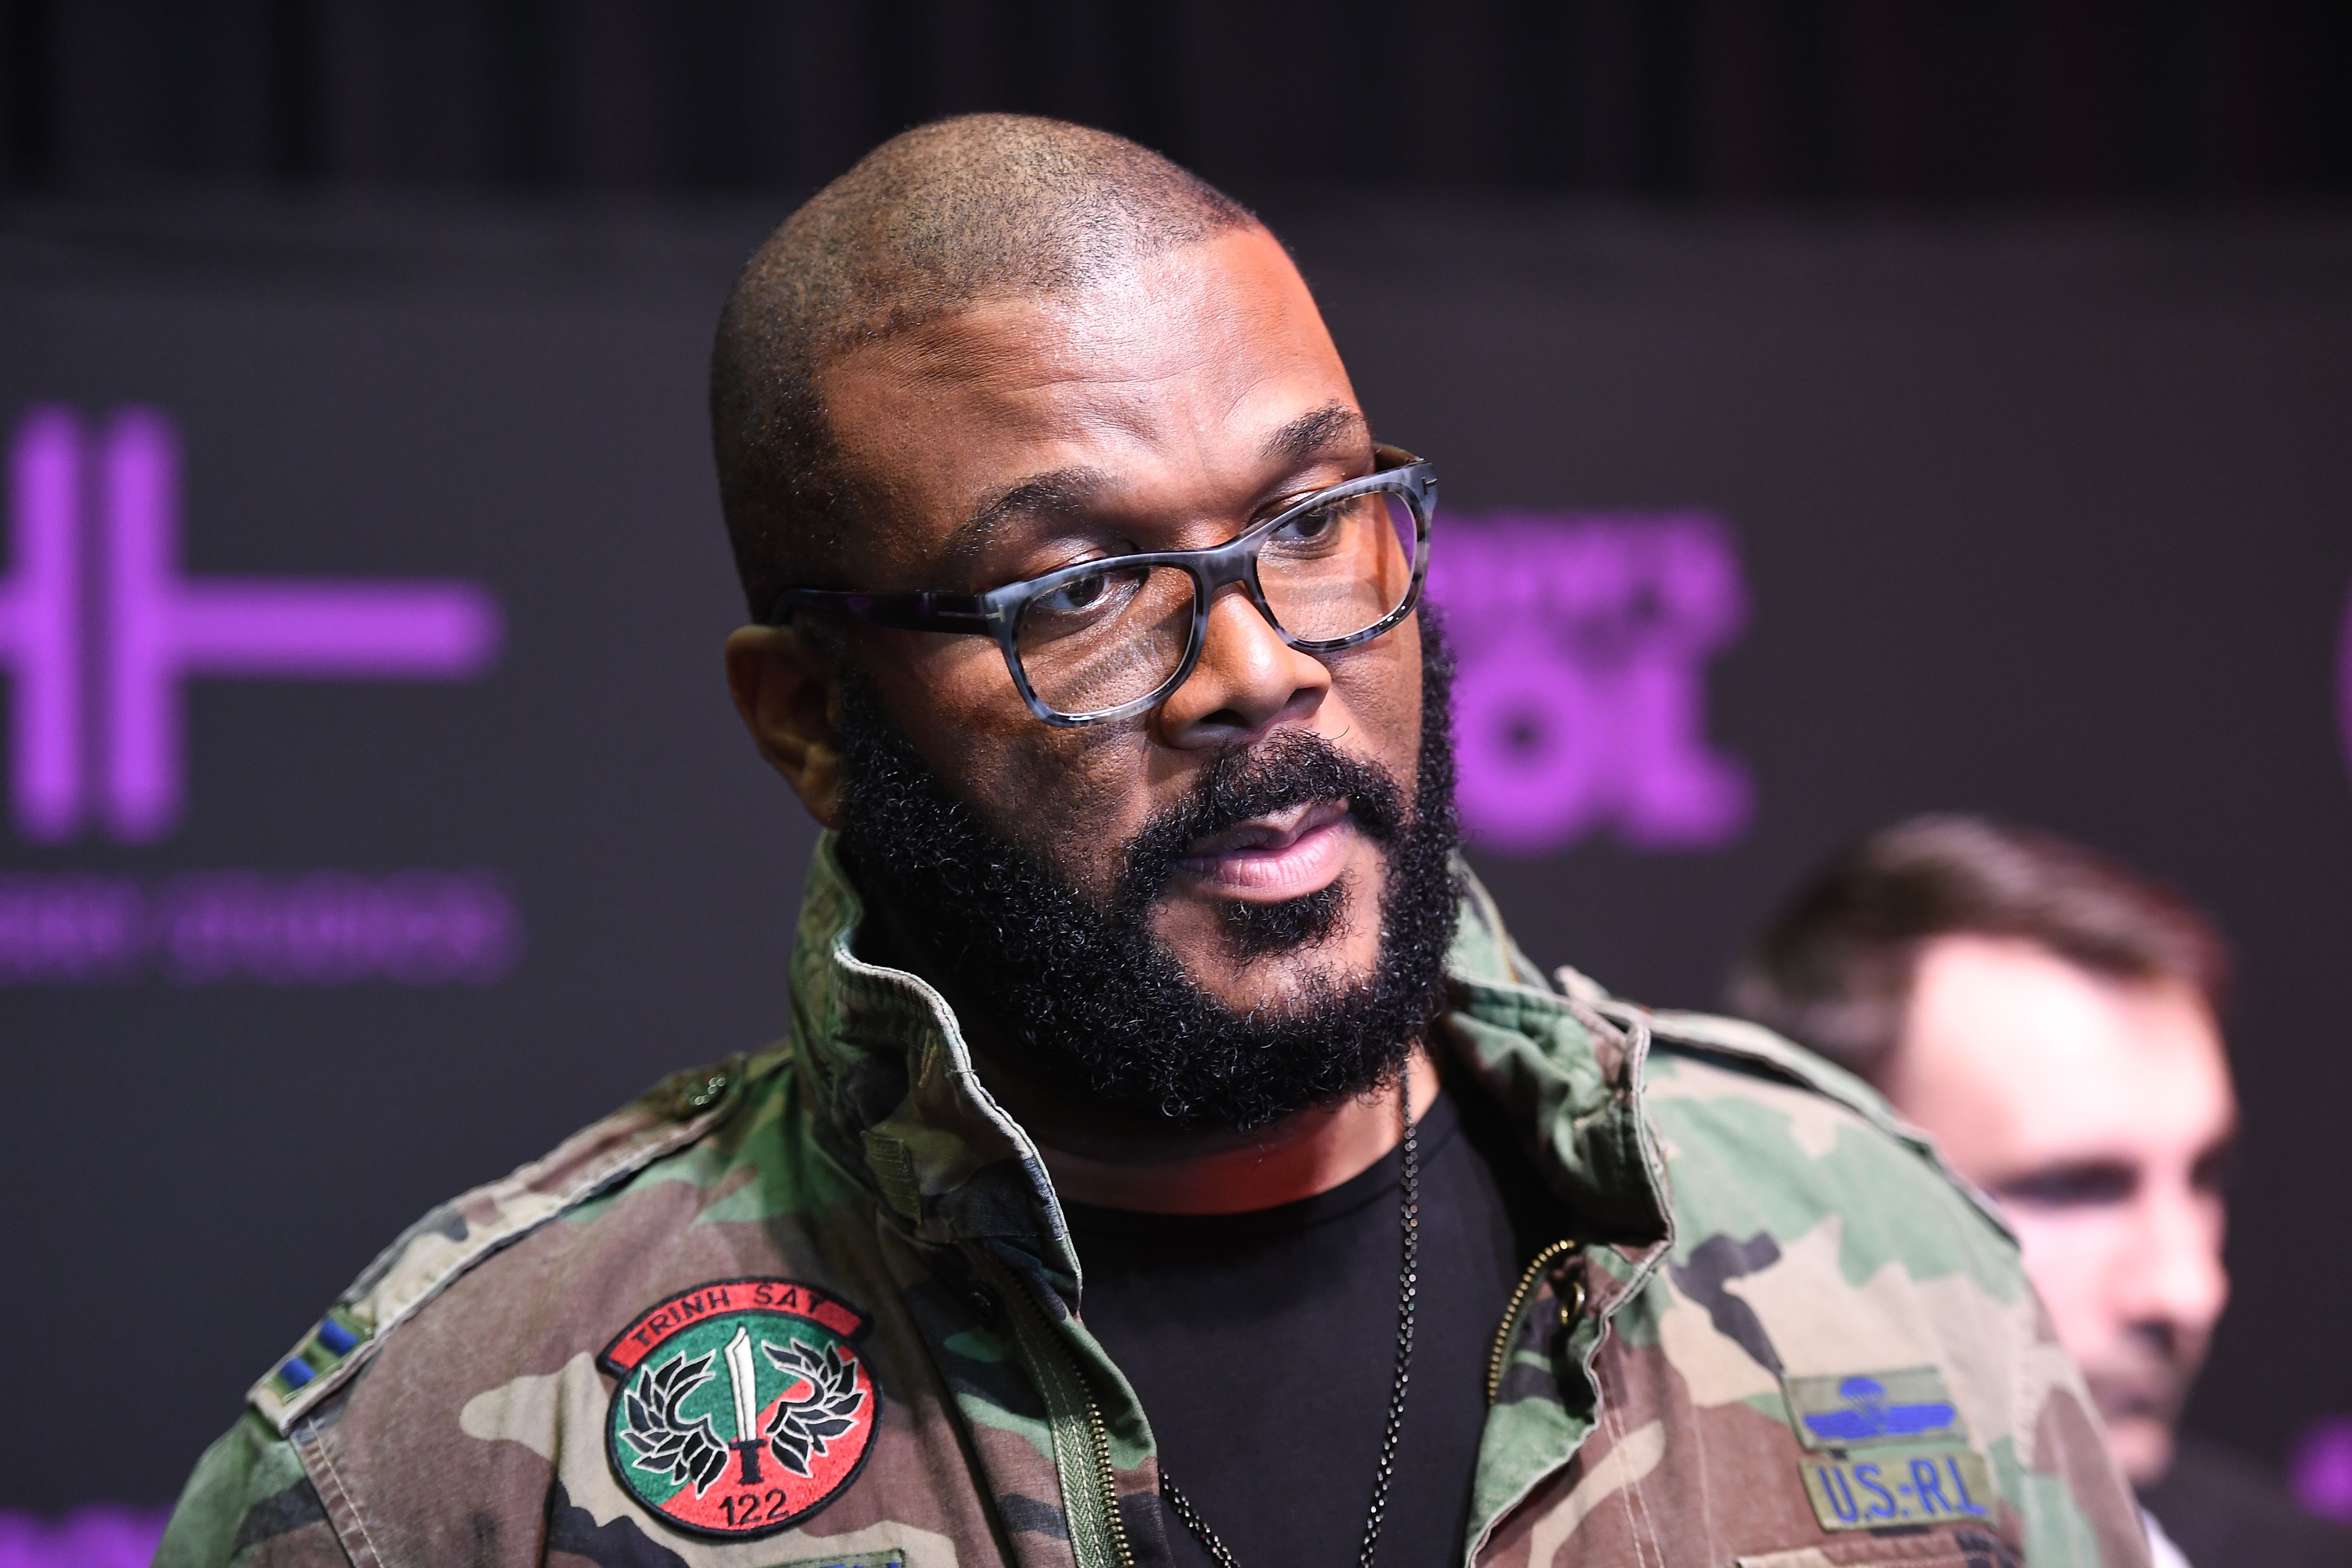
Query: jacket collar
(898,1104)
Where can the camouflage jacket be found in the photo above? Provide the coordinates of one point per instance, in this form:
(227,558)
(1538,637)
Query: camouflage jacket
(818,1309)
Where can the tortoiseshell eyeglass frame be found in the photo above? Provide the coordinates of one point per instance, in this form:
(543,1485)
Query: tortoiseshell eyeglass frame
(997,612)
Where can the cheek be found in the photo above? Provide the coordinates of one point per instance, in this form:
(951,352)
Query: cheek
(1062,795)
(2066,1256)
(1377,689)
(935,684)
(1076,797)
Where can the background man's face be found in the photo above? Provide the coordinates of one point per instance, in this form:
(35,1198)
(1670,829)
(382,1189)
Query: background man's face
(1166,408)
(2098,1112)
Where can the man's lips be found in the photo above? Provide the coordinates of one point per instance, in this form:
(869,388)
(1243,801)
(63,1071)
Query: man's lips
(1273,858)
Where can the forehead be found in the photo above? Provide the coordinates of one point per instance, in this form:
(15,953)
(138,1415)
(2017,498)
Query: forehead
(1164,372)
(2045,1058)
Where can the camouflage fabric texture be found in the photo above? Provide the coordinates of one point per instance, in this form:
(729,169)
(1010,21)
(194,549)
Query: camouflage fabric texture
(1782,1335)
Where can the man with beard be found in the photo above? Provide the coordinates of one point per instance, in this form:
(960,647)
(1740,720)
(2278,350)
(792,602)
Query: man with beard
(2053,1021)
(1173,1160)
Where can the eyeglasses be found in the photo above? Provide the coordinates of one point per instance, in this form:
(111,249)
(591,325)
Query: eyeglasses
(1106,639)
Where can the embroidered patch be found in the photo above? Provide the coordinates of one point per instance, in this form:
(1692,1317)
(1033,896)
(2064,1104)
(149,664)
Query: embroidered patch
(1888,1451)
(740,1406)
(1898,1485)
(1906,1406)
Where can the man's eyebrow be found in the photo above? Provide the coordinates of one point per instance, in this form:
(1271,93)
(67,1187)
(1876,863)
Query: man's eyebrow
(1063,493)
(1058,493)
(1315,432)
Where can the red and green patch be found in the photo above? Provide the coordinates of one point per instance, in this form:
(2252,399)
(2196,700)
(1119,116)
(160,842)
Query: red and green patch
(740,1406)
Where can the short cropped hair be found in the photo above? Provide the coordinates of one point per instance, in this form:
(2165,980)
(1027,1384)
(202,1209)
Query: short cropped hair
(1833,971)
(933,220)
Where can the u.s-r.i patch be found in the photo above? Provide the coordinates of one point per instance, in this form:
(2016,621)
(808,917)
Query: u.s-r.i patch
(1888,1451)
(740,1406)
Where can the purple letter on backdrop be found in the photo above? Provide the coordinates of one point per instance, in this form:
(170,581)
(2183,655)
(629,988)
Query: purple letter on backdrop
(40,641)
(164,628)
(158,629)
(1582,698)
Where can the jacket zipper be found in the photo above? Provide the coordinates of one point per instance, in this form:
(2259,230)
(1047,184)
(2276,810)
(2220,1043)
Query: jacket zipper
(1107,1476)
(1503,1334)
(1062,1382)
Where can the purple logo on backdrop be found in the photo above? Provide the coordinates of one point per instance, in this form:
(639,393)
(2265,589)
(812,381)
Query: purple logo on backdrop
(104,1535)
(2320,1470)
(99,630)
(114,503)
(1581,699)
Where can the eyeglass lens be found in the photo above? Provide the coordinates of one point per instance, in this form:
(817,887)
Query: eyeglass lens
(1118,635)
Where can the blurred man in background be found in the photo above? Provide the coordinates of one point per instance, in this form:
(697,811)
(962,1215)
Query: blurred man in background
(2053,1021)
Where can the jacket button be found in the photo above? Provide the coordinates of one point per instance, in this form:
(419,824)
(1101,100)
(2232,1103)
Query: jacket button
(698,1094)
(984,1303)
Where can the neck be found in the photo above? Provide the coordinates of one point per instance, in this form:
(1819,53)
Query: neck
(1110,1162)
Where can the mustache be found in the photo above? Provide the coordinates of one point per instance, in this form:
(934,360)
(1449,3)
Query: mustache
(2161,1396)
(1290,769)
(2151,1376)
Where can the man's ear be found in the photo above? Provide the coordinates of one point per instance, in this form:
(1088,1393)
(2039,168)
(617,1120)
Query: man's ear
(785,688)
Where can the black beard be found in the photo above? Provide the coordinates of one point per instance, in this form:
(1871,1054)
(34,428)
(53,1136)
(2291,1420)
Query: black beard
(1077,996)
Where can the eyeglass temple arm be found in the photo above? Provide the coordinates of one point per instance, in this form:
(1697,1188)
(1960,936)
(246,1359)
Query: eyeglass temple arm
(925,612)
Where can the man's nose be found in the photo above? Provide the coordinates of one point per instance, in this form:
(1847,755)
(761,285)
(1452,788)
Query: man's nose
(2174,1272)
(1248,680)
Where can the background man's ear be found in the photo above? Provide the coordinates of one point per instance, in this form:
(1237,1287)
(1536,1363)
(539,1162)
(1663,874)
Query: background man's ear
(785,688)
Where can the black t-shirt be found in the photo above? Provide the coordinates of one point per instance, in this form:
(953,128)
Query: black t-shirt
(1263,1346)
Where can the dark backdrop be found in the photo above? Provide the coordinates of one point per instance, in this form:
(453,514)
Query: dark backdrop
(2042,517)
(1820,102)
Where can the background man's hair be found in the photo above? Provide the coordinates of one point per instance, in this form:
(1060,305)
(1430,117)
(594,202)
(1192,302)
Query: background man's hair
(1833,970)
(933,220)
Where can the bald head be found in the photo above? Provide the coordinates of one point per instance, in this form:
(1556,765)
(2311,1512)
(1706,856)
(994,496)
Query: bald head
(932,221)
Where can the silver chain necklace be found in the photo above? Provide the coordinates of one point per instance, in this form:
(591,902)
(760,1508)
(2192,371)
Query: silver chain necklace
(1408,1288)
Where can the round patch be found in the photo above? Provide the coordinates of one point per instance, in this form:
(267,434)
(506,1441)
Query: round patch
(740,1406)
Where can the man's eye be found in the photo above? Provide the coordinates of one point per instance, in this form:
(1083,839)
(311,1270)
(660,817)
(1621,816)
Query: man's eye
(1086,596)
(1312,529)
(1076,595)
(2094,1185)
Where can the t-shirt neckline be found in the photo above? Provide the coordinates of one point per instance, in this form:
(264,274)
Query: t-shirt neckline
(1437,1127)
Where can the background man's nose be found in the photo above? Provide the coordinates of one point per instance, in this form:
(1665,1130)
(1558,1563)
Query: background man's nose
(1248,680)
(2174,1270)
